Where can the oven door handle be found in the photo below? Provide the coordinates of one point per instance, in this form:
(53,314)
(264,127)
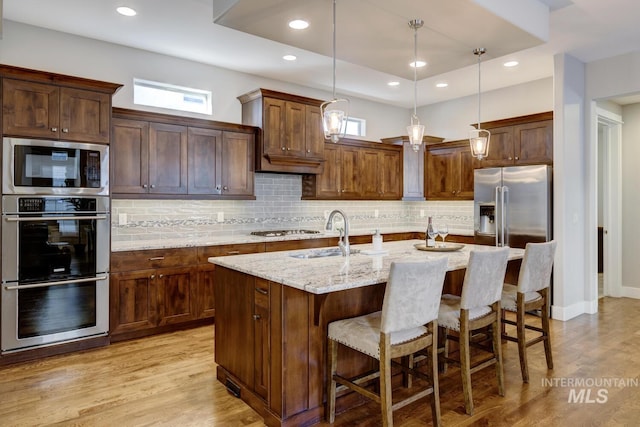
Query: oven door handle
(61,282)
(40,218)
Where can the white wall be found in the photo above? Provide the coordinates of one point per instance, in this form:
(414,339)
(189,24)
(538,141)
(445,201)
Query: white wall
(630,196)
(452,119)
(42,49)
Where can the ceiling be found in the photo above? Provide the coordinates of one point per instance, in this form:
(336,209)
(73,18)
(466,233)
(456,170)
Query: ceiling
(374,41)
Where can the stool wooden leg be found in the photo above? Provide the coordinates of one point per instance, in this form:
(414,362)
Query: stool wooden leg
(545,328)
(386,404)
(332,357)
(433,369)
(465,361)
(497,348)
(522,338)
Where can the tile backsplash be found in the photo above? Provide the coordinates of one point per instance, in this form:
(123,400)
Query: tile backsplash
(277,206)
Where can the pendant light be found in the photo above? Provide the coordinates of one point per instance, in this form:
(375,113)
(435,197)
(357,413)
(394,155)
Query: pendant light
(479,138)
(335,112)
(415,129)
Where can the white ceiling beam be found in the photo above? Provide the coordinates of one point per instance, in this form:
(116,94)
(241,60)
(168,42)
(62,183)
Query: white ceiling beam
(531,16)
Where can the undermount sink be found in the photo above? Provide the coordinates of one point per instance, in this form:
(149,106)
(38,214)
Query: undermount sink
(320,253)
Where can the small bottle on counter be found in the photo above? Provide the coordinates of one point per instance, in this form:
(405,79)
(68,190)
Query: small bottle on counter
(430,235)
(377,240)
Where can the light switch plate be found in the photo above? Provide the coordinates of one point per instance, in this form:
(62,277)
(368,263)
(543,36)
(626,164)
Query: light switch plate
(220,216)
(122,219)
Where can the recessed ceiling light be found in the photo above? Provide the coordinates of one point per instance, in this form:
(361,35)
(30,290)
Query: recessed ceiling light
(510,63)
(289,57)
(126,11)
(298,24)
(393,83)
(419,64)
(442,84)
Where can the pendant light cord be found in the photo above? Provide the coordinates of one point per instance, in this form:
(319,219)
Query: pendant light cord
(334,49)
(415,69)
(479,52)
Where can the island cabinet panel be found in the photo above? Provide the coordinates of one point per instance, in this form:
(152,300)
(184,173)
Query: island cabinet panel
(292,139)
(152,291)
(524,140)
(163,156)
(52,106)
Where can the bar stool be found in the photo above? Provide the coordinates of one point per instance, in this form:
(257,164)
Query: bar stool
(477,307)
(531,293)
(406,324)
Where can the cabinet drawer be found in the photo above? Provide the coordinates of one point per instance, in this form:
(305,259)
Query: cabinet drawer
(153,258)
(223,250)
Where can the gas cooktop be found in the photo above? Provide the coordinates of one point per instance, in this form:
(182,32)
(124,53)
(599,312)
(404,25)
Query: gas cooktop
(277,233)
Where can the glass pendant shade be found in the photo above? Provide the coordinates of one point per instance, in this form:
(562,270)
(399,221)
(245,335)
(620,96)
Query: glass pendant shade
(334,116)
(416,132)
(479,142)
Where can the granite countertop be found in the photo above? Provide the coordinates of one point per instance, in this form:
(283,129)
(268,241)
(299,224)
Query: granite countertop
(235,239)
(336,273)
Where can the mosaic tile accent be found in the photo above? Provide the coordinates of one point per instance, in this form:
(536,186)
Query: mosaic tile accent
(277,206)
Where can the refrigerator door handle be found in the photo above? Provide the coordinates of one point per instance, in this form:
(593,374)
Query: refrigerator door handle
(497,218)
(505,215)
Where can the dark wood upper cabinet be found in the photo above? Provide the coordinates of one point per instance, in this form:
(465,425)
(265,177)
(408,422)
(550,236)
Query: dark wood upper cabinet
(357,170)
(523,140)
(449,171)
(157,155)
(292,139)
(45,105)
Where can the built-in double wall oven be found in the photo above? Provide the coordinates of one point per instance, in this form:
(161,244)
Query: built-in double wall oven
(55,243)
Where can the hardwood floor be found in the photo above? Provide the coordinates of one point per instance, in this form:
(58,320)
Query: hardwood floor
(169,380)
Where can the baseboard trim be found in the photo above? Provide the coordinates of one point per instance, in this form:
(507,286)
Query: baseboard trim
(629,292)
(574,310)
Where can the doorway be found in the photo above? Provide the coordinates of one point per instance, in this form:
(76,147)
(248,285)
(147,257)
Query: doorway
(609,218)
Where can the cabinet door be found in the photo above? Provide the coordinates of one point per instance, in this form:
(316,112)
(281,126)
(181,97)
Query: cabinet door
(30,109)
(328,185)
(236,165)
(465,183)
(273,128)
(204,164)
(84,115)
(314,133)
(349,180)
(134,300)
(205,292)
(295,135)
(533,142)
(391,175)
(261,351)
(176,295)
(413,172)
(129,157)
(370,171)
(441,179)
(500,148)
(167,159)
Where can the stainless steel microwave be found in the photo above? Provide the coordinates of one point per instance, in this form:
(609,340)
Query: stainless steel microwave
(33,166)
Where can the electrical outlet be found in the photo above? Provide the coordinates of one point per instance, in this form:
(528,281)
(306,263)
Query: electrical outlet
(220,216)
(421,213)
(375,213)
(122,219)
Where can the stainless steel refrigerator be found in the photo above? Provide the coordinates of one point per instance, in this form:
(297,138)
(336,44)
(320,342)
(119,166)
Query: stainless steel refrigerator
(512,205)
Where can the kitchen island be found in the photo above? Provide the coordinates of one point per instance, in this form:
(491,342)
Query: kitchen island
(272,312)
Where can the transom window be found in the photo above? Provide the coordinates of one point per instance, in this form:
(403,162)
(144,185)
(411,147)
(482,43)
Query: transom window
(172,97)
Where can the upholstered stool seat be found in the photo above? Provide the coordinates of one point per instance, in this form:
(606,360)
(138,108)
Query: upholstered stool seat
(407,324)
(510,295)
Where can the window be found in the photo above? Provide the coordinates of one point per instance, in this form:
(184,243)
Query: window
(356,127)
(163,95)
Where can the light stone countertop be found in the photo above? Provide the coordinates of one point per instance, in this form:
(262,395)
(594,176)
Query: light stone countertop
(234,239)
(336,273)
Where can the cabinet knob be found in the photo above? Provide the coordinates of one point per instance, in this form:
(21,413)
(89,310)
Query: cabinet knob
(144,186)
(343,190)
(153,186)
(284,148)
(288,149)
(65,130)
(256,317)
(225,188)
(153,276)
(308,151)
(517,157)
(54,129)
(161,276)
(510,158)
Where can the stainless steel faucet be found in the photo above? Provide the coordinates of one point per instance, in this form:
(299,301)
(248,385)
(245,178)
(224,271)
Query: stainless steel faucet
(343,243)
